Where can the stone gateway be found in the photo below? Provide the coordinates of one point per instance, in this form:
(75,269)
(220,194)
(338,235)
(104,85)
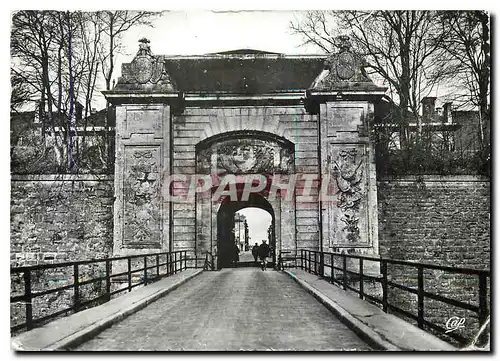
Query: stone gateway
(200,137)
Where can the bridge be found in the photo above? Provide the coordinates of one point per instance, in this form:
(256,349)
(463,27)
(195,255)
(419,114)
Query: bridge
(174,302)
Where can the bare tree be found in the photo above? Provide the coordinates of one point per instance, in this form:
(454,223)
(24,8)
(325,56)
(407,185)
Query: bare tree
(396,45)
(114,25)
(21,93)
(54,65)
(464,60)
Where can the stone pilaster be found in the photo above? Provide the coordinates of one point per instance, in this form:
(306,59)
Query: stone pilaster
(141,217)
(350,212)
(344,97)
(144,97)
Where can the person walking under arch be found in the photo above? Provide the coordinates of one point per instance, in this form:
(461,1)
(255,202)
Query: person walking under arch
(234,250)
(263,254)
(255,252)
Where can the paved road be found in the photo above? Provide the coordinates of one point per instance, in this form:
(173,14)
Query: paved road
(232,309)
(246,256)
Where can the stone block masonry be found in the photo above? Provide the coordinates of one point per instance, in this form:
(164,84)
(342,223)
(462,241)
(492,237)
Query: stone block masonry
(437,220)
(440,220)
(57,218)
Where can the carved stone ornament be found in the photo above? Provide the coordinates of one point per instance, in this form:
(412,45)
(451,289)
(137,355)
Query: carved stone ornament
(245,156)
(142,196)
(348,173)
(142,68)
(145,67)
(343,69)
(345,65)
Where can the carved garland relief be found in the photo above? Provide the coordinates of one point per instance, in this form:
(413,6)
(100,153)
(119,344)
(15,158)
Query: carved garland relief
(142,200)
(348,226)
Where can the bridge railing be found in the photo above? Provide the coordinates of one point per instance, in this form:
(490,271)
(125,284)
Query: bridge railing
(286,259)
(209,264)
(338,272)
(30,285)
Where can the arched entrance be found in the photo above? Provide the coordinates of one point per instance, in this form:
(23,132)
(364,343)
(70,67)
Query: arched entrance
(229,158)
(225,225)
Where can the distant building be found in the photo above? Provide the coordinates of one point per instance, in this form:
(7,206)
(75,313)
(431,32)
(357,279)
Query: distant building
(241,231)
(40,145)
(456,130)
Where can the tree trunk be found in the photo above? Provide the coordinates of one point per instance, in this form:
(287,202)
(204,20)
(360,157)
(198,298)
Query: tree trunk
(484,77)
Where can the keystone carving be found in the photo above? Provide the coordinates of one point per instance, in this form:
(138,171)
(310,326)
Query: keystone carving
(246,156)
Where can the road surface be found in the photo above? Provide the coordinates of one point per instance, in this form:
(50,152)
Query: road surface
(232,309)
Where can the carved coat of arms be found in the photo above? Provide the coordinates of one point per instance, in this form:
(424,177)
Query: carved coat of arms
(146,67)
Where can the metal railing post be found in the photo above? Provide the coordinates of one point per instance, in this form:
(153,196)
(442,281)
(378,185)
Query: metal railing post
(331,267)
(27,299)
(322,264)
(108,280)
(129,273)
(483,305)
(76,288)
(302,259)
(158,265)
(384,285)
(175,262)
(361,279)
(344,269)
(145,270)
(420,297)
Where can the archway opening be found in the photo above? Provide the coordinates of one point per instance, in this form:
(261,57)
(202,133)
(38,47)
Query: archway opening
(252,226)
(258,214)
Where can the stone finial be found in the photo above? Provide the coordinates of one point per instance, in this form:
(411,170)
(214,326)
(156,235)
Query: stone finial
(343,42)
(144,48)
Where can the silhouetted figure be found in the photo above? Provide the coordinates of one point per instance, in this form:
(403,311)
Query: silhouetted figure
(263,254)
(255,252)
(235,254)
(234,251)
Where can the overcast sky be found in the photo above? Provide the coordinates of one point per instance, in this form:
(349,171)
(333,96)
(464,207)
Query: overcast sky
(258,221)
